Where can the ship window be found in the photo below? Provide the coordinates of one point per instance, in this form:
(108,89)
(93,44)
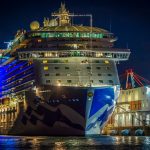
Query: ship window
(99,74)
(59,81)
(91,81)
(109,74)
(98,67)
(47,74)
(100,81)
(39,40)
(66,61)
(56,61)
(48,81)
(88,67)
(45,68)
(110,81)
(62,34)
(104,36)
(66,67)
(56,67)
(108,68)
(69,81)
(45,61)
(57,74)
(106,62)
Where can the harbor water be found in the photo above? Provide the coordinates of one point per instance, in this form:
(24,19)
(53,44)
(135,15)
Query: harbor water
(75,143)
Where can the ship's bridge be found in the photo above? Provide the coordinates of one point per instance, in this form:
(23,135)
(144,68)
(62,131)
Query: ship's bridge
(70,41)
(72,31)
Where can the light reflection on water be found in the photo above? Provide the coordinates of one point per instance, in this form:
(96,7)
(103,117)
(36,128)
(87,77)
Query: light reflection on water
(75,143)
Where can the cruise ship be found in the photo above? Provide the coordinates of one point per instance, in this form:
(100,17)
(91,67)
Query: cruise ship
(59,78)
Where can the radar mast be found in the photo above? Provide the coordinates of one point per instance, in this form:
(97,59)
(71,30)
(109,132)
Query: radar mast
(63,16)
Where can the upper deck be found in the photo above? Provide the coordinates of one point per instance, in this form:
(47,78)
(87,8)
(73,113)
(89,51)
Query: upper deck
(58,38)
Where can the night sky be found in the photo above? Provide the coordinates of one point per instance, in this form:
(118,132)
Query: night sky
(130,22)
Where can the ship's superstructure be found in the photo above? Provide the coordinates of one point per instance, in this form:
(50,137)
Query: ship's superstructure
(59,78)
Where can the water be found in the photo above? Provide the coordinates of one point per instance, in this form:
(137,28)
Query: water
(75,143)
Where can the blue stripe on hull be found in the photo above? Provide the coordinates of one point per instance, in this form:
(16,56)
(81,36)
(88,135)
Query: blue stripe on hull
(99,108)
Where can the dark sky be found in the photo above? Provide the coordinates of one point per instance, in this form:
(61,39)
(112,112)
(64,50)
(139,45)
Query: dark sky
(130,21)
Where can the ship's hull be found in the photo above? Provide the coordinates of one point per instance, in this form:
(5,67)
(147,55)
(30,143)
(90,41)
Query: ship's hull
(65,111)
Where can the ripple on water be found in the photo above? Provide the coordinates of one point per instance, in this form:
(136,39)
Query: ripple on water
(75,143)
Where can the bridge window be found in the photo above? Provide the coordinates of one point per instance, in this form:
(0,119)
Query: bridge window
(68,35)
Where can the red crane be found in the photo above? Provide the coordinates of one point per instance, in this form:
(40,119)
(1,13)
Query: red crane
(133,80)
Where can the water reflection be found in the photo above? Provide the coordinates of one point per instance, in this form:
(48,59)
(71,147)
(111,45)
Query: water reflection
(59,146)
(74,143)
(146,143)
